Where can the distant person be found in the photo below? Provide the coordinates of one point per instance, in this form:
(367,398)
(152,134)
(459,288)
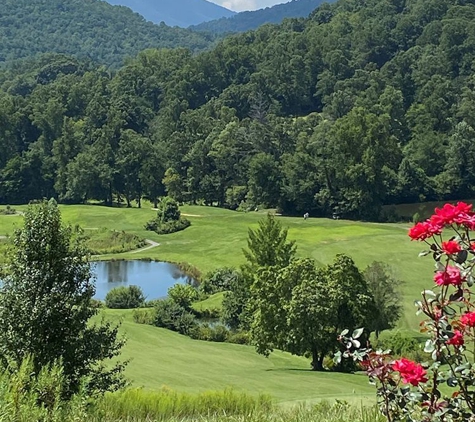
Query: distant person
(306,215)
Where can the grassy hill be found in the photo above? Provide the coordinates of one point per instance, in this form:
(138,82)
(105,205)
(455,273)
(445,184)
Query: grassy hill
(161,358)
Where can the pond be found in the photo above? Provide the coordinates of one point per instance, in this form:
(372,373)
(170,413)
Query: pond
(154,278)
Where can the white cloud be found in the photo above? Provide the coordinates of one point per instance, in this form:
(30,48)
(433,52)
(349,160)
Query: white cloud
(241,5)
(238,5)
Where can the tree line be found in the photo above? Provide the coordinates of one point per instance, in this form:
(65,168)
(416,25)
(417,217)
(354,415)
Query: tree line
(358,106)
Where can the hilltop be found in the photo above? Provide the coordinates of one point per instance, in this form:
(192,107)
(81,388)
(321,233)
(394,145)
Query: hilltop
(181,13)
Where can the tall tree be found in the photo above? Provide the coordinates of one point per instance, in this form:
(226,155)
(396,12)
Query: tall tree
(45,304)
(385,289)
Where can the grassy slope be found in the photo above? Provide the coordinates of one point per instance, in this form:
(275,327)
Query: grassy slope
(217,236)
(163,358)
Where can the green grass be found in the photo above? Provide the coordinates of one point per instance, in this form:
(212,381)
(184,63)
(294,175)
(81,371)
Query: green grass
(213,302)
(161,358)
(216,238)
(104,241)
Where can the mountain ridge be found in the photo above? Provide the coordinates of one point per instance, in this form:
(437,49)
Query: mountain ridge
(182,13)
(245,21)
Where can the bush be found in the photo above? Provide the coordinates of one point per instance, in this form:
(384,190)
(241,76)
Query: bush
(143,316)
(125,298)
(239,337)
(183,294)
(170,315)
(219,333)
(173,226)
(168,218)
(219,280)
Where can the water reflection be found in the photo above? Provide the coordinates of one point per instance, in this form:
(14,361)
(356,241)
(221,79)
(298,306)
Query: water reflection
(155,278)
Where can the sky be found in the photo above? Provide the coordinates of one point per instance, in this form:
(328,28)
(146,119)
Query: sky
(241,5)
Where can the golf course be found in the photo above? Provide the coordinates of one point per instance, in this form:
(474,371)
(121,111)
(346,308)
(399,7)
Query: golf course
(161,358)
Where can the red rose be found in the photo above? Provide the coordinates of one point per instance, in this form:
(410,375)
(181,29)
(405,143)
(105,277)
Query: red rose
(468,319)
(450,214)
(451,276)
(456,340)
(411,372)
(422,231)
(451,247)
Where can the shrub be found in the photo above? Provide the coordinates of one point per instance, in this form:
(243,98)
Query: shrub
(168,219)
(170,315)
(183,294)
(219,333)
(219,280)
(143,316)
(96,304)
(172,226)
(125,297)
(239,337)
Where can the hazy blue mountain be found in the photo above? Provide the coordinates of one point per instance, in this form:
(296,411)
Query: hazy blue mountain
(245,21)
(176,12)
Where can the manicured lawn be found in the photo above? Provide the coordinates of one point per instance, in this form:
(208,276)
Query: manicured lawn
(216,238)
(163,358)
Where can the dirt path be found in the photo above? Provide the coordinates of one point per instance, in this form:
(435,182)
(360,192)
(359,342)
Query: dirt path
(152,244)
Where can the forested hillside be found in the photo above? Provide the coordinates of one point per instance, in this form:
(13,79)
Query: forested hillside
(84,28)
(246,21)
(176,12)
(365,103)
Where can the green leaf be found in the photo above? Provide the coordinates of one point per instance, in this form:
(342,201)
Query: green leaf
(429,346)
(357,333)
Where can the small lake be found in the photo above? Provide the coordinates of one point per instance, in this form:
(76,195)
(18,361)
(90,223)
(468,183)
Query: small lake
(154,278)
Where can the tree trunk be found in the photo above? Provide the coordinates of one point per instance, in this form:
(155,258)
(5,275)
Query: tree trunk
(317,360)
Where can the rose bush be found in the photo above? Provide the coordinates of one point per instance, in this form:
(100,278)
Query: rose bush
(442,389)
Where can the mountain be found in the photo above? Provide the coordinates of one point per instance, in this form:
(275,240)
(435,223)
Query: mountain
(245,21)
(90,29)
(181,13)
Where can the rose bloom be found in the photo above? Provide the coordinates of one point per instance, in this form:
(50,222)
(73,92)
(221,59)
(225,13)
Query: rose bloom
(451,247)
(411,372)
(422,231)
(468,319)
(450,214)
(451,276)
(456,340)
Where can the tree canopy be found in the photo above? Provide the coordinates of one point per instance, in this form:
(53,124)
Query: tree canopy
(45,305)
(359,106)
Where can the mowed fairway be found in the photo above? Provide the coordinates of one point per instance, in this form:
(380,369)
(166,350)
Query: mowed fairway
(216,238)
(163,358)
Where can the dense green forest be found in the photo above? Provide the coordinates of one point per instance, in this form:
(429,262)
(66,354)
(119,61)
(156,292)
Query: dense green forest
(364,103)
(246,21)
(90,29)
